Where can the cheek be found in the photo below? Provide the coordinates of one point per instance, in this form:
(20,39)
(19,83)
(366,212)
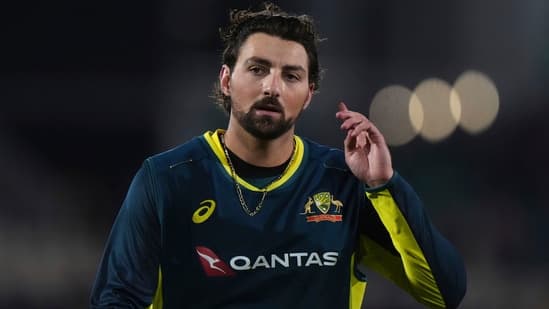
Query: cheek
(243,91)
(299,97)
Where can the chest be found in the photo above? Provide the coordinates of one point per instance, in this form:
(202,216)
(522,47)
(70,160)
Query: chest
(308,210)
(309,222)
(303,235)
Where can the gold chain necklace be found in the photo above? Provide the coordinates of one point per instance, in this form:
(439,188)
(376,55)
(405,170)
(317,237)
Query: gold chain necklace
(263,190)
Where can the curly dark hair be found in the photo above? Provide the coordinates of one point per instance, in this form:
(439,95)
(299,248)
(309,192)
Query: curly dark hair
(274,21)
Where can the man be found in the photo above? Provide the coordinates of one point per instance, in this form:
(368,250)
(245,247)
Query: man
(256,217)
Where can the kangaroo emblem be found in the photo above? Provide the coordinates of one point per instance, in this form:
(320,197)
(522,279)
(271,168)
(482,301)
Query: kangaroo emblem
(337,203)
(307,206)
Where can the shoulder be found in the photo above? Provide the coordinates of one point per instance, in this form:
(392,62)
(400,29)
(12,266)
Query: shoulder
(329,157)
(193,150)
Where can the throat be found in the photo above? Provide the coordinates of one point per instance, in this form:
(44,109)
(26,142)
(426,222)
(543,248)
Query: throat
(246,170)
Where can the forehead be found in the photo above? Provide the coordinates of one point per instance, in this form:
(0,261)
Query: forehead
(278,51)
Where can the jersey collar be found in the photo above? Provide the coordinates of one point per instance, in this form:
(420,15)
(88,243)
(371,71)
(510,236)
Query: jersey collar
(212,138)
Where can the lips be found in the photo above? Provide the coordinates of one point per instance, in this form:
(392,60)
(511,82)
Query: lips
(269,108)
(268,104)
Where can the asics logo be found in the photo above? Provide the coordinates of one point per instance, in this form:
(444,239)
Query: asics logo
(204,212)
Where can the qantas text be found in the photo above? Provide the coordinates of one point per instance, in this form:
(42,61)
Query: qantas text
(293,259)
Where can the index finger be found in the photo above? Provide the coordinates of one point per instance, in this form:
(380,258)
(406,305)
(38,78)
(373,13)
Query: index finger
(342,107)
(343,111)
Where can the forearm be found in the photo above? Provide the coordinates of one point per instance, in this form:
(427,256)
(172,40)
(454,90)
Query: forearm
(433,270)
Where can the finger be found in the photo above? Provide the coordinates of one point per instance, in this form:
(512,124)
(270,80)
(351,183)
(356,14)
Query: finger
(343,111)
(355,120)
(362,126)
(342,107)
(361,140)
(368,143)
(347,142)
(350,117)
(350,123)
(375,135)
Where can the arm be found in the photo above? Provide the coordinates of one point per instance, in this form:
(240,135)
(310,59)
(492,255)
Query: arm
(129,270)
(397,238)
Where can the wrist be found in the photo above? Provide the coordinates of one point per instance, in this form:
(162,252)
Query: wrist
(377,182)
(380,181)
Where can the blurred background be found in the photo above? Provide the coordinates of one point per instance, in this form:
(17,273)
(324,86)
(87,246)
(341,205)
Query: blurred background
(88,89)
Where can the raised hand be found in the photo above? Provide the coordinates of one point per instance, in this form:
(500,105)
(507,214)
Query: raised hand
(366,152)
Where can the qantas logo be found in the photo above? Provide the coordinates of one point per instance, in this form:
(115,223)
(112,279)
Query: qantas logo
(214,267)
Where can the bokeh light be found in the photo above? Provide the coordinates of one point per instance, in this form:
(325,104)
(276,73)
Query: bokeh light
(478,99)
(391,111)
(438,121)
(416,113)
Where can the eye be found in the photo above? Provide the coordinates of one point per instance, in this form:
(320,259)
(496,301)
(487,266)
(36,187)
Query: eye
(292,77)
(257,70)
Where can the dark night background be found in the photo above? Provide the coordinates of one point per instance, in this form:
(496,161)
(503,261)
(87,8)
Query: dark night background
(88,89)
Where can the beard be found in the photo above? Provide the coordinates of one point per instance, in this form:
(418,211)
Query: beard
(265,127)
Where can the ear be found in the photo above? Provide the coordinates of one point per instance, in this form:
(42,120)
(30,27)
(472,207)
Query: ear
(309,96)
(225,79)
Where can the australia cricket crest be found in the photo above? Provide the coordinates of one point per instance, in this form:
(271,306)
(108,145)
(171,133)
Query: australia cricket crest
(323,202)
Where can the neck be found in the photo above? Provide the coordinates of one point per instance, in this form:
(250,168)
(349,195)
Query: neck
(264,153)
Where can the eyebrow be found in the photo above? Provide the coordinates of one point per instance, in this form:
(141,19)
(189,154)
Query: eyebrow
(267,63)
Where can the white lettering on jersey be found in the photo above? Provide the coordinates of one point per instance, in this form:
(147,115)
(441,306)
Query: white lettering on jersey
(299,259)
(240,263)
(276,259)
(330,258)
(298,255)
(261,262)
(313,259)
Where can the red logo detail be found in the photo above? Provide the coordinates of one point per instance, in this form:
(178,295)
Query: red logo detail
(331,218)
(213,266)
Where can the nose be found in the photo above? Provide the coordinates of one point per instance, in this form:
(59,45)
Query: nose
(271,86)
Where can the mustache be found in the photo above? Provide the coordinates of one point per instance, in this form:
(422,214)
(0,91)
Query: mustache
(269,103)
